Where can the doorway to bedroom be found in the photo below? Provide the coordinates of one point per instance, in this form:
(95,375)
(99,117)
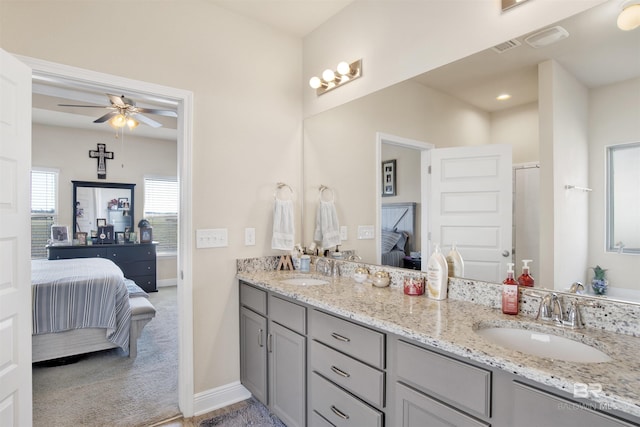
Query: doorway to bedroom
(169,322)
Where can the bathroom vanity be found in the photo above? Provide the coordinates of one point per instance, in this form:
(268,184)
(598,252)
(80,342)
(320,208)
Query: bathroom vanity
(360,355)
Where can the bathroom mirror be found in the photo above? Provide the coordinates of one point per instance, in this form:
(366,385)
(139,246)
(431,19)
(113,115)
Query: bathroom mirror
(109,201)
(340,147)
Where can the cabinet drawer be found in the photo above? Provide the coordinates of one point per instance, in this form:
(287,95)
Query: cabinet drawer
(147,283)
(316,420)
(415,409)
(140,268)
(355,340)
(133,252)
(339,407)
(288,314)
(253,298)
(465,386)
(84,252)
(363,380)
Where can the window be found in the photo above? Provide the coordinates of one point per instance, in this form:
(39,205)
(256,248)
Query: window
(623,198)
(161,210)
(44,209)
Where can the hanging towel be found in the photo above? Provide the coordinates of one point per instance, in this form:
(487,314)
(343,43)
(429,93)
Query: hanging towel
(283,226)
(327,228)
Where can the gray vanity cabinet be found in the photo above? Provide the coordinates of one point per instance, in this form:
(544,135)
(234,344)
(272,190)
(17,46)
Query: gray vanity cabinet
(347,373)
(273,353)
(534,407)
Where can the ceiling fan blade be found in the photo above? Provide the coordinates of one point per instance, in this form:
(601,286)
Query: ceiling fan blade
(147,121)
(106,117)
(118,101)
(166,113)
(90,106)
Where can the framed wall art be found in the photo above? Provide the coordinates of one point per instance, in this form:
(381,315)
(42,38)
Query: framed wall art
(389,178)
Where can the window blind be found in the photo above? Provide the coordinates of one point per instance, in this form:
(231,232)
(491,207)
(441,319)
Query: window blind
(44,209)
(161,210)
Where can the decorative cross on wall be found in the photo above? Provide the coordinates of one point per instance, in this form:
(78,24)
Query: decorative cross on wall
(102,155)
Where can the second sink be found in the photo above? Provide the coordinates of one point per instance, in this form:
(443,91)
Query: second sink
(543,344)
(305,281)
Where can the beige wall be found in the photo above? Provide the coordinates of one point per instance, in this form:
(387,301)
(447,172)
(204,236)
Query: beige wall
(67,150)
(246,127)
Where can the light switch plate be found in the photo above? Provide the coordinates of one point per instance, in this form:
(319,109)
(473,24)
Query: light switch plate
(366,232)
(249,236)
(344,232)
(212,238)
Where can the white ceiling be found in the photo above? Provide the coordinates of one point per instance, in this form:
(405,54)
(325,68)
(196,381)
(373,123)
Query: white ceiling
(596,52)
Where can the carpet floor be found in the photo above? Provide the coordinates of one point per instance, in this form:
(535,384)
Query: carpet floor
(253,414)
(107,388)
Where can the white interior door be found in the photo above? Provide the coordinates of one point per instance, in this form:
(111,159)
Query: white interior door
(471,206)
(15,242)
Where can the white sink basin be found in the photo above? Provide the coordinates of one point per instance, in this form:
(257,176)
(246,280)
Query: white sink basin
(543,345)
(305,281)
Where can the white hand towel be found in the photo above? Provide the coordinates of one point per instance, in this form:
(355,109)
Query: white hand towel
(283,225)
(327,230)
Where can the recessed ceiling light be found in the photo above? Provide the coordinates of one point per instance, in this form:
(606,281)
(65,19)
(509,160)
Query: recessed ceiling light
(503,97)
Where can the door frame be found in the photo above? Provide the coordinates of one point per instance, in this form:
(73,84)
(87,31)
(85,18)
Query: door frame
(407,143)
(184,101)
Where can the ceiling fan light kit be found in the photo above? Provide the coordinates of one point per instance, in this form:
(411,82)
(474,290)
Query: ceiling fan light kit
(126,113)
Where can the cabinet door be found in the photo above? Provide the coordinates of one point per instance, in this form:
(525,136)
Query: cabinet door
(253,353)
(414,409)
(287,379)
(533,407)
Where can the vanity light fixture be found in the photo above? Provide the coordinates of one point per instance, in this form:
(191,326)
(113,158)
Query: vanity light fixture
(508,4)
(629,17)
(345,73)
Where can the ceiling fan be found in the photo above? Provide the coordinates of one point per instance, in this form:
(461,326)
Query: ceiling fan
(125,113)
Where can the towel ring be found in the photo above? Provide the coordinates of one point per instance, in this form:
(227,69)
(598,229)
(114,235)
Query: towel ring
(279,195)
(326,194)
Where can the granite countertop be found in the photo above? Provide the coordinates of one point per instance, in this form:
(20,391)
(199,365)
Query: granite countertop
(449,325)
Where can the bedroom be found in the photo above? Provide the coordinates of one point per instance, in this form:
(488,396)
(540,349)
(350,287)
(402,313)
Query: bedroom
(221,144)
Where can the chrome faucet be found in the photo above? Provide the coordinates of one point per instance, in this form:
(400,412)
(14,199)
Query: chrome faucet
(576,288)
(574,320)
(550,309)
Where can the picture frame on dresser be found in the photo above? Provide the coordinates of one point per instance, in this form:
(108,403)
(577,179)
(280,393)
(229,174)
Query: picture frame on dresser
(82,238)
(101,222)
(146,235)
(59,235)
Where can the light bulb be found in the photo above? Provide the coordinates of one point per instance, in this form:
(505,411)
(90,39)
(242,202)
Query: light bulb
(118,121)
(503,97)
(629,18)
(132,123)
(344,68)
(328,75)
(315,82)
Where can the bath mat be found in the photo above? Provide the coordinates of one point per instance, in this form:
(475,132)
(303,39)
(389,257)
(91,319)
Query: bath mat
(254,414)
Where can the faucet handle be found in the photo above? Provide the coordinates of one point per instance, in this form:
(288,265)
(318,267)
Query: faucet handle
(545,310)
(574,320)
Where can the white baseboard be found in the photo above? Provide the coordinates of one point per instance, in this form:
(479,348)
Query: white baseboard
(166,282)
(219,397)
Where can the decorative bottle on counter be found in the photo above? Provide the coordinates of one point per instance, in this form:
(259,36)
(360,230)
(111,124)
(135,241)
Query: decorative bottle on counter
(455,263)
(437,275)
(510,293)
(525,278)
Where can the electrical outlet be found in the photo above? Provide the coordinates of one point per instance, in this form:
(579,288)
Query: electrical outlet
(366,232)
(344,232)
(212,238)
(249,236)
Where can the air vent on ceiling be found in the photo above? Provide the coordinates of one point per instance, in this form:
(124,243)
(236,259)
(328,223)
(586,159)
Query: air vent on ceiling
(508,45)
(546,37)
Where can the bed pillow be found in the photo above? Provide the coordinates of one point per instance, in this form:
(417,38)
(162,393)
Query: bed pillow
(402,241)
(389,240)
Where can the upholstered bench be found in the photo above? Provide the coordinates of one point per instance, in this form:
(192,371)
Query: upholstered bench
(142,311)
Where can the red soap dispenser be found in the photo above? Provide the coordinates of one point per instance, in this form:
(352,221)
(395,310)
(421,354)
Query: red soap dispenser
(525,278)
(510,293)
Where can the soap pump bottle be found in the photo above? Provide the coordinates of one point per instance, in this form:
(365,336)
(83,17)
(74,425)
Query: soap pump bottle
(510,293)
(525,278)
(437,275)
(455,262)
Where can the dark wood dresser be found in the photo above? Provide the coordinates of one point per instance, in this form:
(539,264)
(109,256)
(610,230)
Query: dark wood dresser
(136,260)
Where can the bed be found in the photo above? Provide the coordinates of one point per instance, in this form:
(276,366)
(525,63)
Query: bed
(398,222)
(81,305)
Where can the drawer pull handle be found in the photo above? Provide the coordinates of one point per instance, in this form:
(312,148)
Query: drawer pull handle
(340,372)
(339,413)
(260,343)
(340,337)
(114,255)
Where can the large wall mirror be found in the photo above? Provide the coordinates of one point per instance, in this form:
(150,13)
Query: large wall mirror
(559,135)
(111,201)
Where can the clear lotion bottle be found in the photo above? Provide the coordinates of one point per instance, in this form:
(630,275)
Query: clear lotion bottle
(510,293)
